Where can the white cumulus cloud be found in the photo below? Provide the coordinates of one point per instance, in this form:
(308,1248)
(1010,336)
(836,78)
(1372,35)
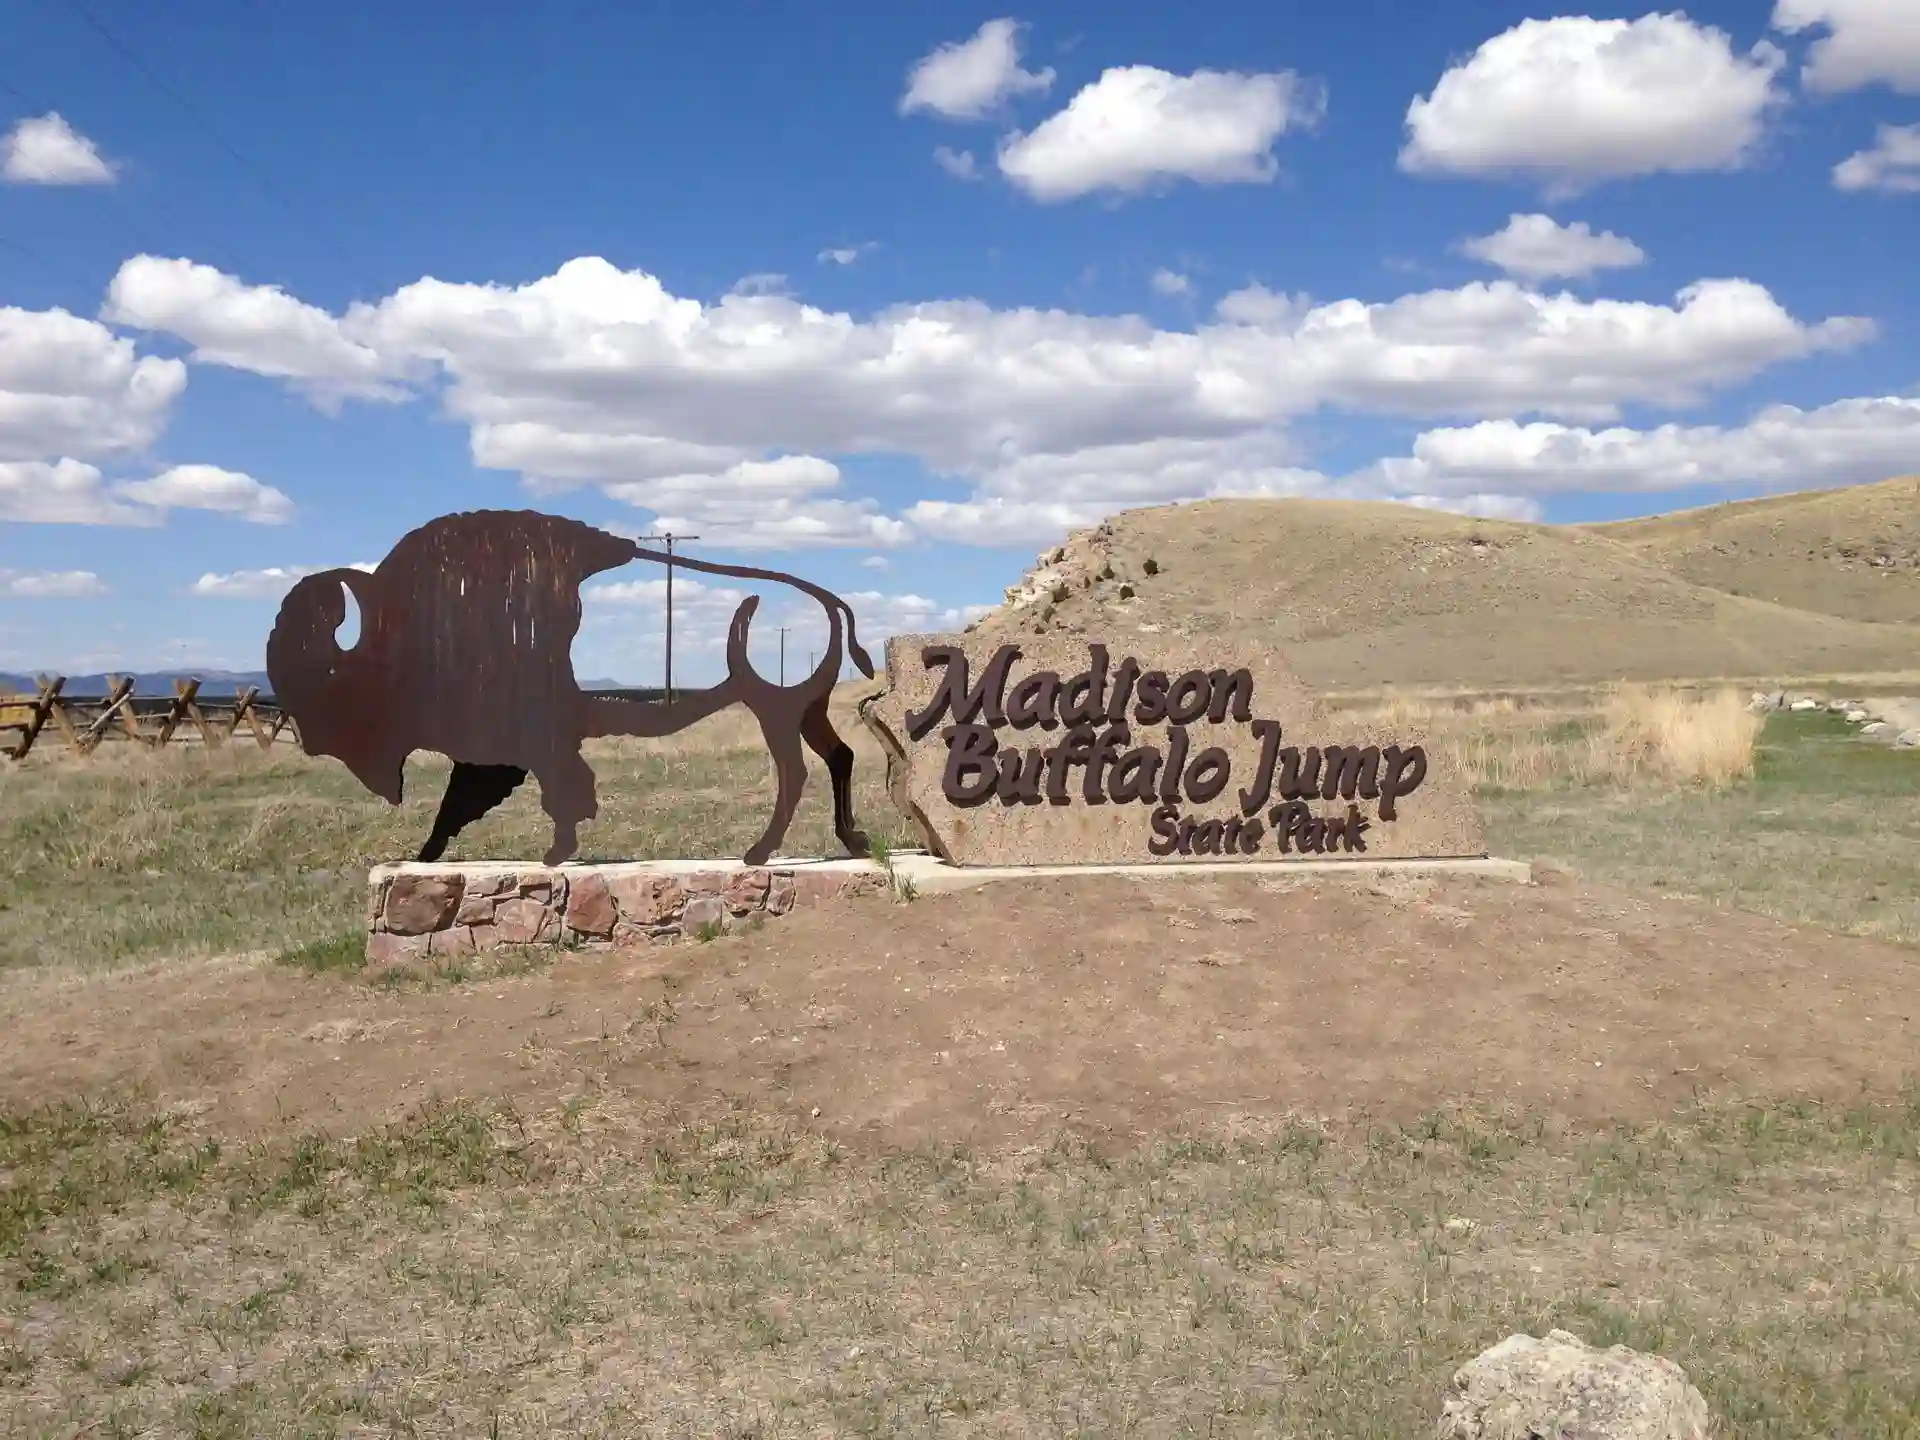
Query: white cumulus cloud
(47,150)
(846,254)
(70,386)
(624,622)
(64,492)
(259,328)
(1171,282)
(269,583)
(777,504)
(958,163)
(1867,42)
(1538,247)
(716,416)
(1783,447)
(1891,163)
(71,492)
(970,79)
(1573,101)
(208,487)
(1138,127)
(51,584)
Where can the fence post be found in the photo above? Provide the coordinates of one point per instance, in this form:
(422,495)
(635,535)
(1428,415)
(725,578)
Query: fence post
(183,693)
(97,731)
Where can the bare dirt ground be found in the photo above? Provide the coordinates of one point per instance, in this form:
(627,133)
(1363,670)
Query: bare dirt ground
(1111,1006)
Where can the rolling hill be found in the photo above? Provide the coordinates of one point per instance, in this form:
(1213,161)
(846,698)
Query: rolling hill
(1365,594)
(1854,553)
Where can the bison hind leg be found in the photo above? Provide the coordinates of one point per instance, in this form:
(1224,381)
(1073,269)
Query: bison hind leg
(567,795)
(817,729)
(790,774)
(472,790)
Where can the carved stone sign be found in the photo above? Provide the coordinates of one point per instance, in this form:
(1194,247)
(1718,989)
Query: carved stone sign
(1064,751)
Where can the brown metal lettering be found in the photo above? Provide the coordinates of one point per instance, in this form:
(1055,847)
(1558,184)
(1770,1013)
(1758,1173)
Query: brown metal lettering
(1176,764)
(1203,788)
(1083,699)
(1033,702)
(1187,697)
(970,773)
(1349,768)
(1135,774)
(954,698)
(1232,692)
(1393,784)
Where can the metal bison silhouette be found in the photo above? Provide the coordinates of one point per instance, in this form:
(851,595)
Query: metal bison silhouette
(466,630)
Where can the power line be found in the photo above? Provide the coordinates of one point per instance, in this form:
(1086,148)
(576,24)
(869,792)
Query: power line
(126,52)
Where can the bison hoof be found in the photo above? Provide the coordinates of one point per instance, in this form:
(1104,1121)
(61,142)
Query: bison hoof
(758,855)
(858,846)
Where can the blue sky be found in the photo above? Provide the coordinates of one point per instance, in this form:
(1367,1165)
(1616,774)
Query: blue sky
(897,296)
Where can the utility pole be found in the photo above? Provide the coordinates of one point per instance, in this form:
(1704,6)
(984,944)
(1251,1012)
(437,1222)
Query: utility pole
(669,538)
(783,654)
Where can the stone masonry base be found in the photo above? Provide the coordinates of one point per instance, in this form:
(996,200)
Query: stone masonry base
(446,909)
(457,909)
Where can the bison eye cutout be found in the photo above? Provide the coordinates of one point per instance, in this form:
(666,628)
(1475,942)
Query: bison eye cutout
(347,634)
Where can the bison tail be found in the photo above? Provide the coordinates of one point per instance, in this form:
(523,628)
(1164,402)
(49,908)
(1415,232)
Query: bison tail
(737,662)
(854,647)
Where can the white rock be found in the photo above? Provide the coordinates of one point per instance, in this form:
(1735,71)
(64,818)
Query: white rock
(1907,738)
(1804,704)
(1854,717)
(1562,1387)
(1875,727)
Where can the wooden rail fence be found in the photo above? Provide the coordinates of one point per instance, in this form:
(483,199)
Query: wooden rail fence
(85,721)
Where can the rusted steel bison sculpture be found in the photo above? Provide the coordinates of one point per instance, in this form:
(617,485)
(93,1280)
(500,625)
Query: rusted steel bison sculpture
(466,632)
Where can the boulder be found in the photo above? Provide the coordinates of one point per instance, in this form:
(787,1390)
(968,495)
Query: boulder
(384,949)
(590,907)
(1907,738)
(1525,1388)
(1854,717)
(1875,727)
(1804,704)
(421,904)
(648,900)
(702,911)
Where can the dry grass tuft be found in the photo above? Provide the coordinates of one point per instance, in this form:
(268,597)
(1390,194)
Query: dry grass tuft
(1634,735)
(1694,739)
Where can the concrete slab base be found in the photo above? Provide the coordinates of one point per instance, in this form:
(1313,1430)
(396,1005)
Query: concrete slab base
(932,876)
(445,909)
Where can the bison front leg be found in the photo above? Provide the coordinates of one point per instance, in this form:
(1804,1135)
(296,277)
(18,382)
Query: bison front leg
(567,795)
(790,773)
(472,790)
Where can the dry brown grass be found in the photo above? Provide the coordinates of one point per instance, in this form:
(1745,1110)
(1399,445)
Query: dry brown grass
(595,1271)
(1633,736)
(1363,595)
(473,1273)
(1814,550)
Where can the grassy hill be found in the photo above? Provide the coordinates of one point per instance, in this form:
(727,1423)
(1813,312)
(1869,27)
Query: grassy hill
(1366,594)
(1854,553)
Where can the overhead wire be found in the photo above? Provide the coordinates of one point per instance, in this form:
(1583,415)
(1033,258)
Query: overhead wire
(131,56)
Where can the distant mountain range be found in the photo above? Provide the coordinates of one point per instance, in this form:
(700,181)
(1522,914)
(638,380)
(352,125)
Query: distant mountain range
(148,682)
(212,683)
